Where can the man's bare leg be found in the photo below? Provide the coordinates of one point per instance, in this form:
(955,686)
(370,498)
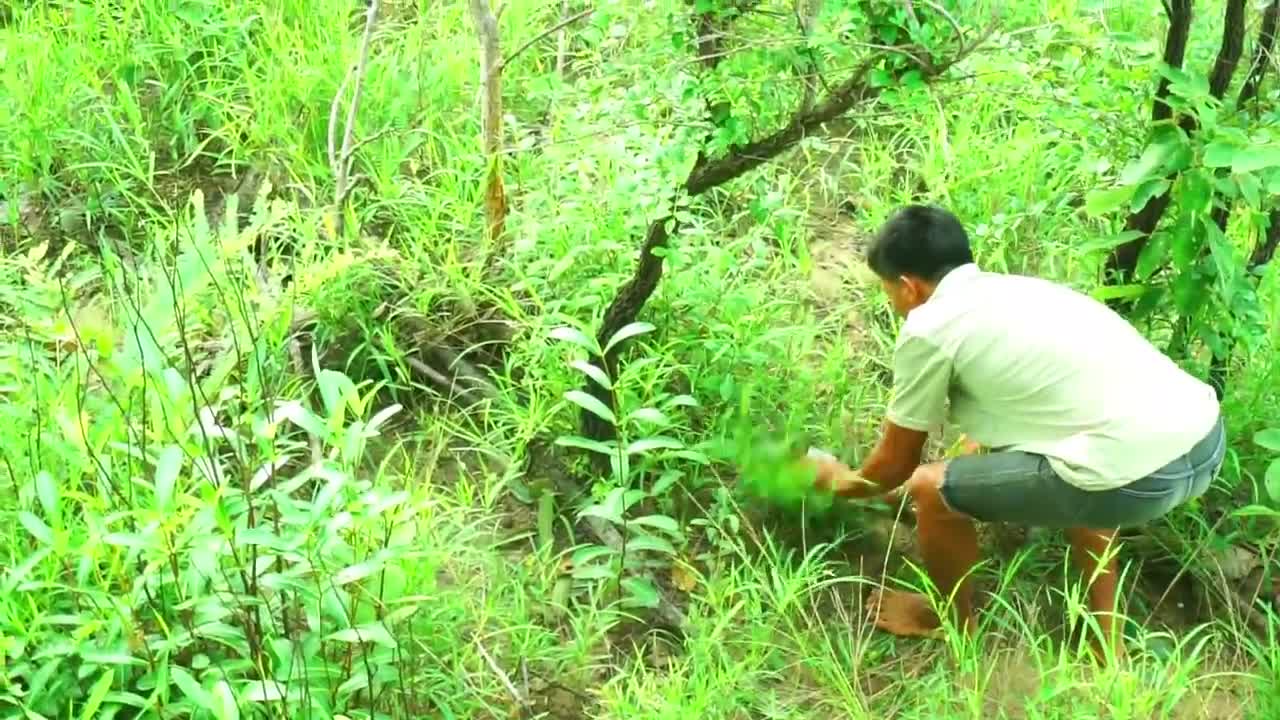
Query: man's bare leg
(1087,547)
(949,543)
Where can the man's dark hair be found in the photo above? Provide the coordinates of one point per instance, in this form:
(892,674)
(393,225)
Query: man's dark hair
(920,240)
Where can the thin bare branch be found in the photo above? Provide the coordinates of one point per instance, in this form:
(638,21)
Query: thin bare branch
(341,163)
(1262,54)
(512,690)
(540,36)
(955,26)
(334,108)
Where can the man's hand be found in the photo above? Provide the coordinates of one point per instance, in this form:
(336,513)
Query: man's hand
(836,477)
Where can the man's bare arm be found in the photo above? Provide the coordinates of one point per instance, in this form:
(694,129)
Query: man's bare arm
(895,457)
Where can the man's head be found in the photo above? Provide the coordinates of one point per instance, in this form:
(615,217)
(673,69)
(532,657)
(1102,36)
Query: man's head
(914,250)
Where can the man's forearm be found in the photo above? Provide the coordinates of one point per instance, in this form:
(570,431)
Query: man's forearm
(887,473)
(894,459)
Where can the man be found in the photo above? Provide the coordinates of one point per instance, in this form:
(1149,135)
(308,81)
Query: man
(1091,428)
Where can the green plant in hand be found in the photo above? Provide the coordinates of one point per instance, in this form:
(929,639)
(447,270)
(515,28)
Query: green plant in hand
(772,464)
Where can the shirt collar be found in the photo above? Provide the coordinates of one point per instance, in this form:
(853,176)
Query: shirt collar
(956,278)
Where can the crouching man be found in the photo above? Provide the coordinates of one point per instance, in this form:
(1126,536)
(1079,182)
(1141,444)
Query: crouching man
(1090,428)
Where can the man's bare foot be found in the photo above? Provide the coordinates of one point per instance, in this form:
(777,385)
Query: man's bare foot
(902,613)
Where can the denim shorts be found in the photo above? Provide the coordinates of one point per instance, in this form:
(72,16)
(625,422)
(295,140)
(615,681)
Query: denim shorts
(1023,489)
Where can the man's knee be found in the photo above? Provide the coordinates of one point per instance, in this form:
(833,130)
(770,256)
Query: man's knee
(925,488)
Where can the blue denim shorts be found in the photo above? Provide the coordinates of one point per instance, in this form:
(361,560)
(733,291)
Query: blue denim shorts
(1023,489)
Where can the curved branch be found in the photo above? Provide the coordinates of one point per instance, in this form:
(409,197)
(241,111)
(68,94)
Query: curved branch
(707,174)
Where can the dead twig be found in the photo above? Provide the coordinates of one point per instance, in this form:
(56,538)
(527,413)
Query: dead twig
(340,161)
(521,699)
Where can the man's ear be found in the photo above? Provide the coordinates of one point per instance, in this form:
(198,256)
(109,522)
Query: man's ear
(919,290)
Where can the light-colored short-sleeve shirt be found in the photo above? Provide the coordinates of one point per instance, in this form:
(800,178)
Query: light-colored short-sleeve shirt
(1030,365)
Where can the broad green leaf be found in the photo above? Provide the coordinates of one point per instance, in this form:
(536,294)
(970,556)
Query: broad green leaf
(1195,192)
(47,492)
(1109,242)
(368,633)
(628,331)
(592,405)
(1118,292)
(1189,292)
(658,442)
(98,694)
(665,481)
(582,443)
(575,336)
(683,401)
(611,508)
(1101,202)
(1153,255)
(1250,189)
(1185,248)
(1273,480)
(650,543)
(359,571)
(641,592)
(593,372)
(264,691)
(1145,192)
(1150,164)
(1269,439)
(37,527)
(294,412)
(110,657)
(593,572)
(335,390)
(223,702)
(662,522)
(1256,158)
(168,465)
(1220,154)
(650,415)
(590,553)
(382,416)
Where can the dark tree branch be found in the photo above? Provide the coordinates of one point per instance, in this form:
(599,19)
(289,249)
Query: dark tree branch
(1224,68)
(1175,49)
(1261,54)
(707,174)
(1124,259)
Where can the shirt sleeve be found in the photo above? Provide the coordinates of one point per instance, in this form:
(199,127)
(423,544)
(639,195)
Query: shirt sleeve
(921,380)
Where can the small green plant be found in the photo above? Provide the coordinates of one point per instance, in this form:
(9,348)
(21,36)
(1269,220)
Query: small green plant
(639,441)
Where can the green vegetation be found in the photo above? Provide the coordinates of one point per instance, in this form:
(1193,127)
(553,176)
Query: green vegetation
(283,444)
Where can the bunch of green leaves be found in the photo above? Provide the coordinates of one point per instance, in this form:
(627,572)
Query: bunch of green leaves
(769,455)
(1193,274)
(183,540)
(639,450)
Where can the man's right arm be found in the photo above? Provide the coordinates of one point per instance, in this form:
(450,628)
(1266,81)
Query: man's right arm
(921,379)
